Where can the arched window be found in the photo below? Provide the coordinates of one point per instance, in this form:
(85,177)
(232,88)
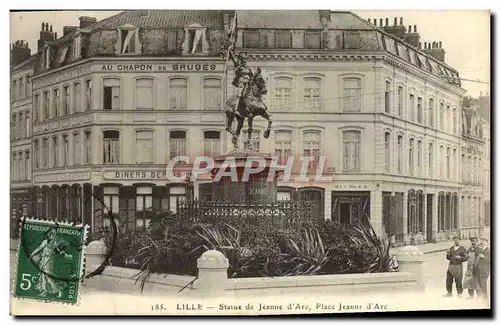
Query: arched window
(111,93)
(283,146)
(212,94)
(177,143)
(387,97)
(212,143)
(431,112)
(283,93)
(352,94)
(351,147)
(312,146)
(387,151)
(411,153)
(178,93)
(144,93)
(312,94)
(111,140)
(144,147)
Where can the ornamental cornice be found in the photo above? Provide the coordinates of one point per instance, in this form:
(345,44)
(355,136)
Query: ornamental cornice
(312,57)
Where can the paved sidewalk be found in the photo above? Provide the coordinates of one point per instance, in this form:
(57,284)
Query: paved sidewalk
(435,247)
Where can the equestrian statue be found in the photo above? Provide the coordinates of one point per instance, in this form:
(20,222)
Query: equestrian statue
(248,101)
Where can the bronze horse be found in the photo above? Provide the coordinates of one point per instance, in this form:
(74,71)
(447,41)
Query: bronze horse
(249,106)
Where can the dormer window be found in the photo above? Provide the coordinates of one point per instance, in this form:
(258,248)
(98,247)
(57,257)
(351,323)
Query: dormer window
(63,55)
(195,40)
(128,37)
(77,46)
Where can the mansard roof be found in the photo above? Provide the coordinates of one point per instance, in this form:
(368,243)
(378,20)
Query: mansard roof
(279,19)
(163,19)
(28,64)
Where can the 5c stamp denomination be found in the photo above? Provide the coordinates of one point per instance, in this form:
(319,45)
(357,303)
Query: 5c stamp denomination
(50,261)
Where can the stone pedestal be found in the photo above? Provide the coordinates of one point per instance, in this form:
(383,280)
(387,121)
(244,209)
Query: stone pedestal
(410,260)
(246,178)
(212,273)
(95,255)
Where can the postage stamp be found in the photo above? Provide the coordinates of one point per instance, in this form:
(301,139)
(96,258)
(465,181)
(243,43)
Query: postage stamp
(50,261)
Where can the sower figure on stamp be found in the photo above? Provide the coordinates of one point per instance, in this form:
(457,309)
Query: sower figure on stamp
(43,257)
(457,254)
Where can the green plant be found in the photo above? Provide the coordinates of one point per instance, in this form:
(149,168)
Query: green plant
(305,255)
(381,259)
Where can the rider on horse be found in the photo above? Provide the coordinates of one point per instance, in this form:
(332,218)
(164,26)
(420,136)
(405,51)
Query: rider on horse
(243,75)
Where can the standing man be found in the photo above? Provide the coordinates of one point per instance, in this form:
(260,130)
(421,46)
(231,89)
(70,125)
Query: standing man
(470,279)
(483,267)
(457,254)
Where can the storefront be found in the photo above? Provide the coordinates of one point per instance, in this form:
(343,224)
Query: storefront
(21,205)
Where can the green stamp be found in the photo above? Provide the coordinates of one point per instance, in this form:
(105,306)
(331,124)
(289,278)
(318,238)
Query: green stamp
(50,261)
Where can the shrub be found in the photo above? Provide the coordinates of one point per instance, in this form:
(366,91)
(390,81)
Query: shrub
(170,245)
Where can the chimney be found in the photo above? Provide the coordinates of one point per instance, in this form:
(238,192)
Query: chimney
(19,53)
(412,37)
(369,22)
(435,49)
(381,22)
(69,29)
(86,22)
(396,30)
(419,45)
(401,21)
(46,35)
(375,22)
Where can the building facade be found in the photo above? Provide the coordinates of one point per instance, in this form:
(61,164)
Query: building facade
(20,134)
(476,166)
(114,101)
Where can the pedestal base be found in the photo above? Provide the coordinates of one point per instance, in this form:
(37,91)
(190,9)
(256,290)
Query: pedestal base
(259,188)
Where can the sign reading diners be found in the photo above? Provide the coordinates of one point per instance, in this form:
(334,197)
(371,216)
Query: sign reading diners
(131,175)
(139,67)
(66,177)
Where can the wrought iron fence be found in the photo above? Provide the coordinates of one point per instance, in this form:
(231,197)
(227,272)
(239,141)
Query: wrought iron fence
(279,215)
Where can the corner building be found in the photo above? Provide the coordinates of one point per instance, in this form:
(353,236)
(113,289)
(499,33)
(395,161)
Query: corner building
(115,100)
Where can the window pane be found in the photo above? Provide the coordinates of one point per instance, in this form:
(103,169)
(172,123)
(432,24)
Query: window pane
(144,94)
(352,94)
(178,93)
(144,146)
(212,94)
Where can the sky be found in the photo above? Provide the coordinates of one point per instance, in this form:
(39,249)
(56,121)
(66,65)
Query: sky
(465,35)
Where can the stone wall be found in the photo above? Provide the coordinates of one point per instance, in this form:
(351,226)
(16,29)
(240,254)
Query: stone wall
(212,279)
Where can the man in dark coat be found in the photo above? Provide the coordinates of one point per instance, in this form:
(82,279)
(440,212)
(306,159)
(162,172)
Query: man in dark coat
(457,254)
(470,279)
(482,267)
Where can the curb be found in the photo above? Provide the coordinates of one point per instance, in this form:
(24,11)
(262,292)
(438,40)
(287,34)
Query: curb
(436,251)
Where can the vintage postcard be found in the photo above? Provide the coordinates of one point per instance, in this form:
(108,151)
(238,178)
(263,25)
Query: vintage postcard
(249,162)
